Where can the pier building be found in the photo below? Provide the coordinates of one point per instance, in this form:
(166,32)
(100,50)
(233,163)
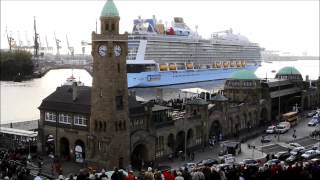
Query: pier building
(105,124)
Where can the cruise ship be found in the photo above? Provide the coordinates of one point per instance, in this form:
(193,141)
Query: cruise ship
(161,56)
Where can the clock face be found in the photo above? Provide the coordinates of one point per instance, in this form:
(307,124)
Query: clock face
(117,50)
(102,50)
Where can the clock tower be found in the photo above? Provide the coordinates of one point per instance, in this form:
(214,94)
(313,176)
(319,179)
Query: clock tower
(109,123)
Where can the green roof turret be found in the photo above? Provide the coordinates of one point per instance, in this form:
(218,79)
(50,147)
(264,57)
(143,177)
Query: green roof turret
(244,75)
(288,71)
(109,9)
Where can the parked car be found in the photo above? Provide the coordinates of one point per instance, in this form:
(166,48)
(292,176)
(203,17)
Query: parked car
(272,161)
(207,162)
(313,122)
(189,166)
(294,145)
(316,146)
(266,139)
(282,128)
(312,113)
(297,150)
(271,130)
(283,155)
(250,162)
(292,159)
(309,154)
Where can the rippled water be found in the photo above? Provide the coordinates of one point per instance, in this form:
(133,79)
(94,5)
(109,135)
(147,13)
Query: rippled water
(20,101)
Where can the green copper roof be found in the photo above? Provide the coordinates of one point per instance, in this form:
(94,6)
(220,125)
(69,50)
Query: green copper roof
(288,71)
(243,75)
(109,9)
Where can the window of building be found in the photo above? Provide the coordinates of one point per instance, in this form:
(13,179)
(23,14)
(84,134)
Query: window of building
(119,103)
(112,27)
(65,118)
(50,116)
(80,120)
(159,146)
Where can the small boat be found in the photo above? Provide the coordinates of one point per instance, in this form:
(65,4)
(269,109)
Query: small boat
(273,71)
(70,80)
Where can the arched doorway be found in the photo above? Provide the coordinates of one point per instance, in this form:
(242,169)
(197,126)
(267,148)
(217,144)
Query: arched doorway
(50,145)
(171,141)
(79,151)
(215,130)
(180,141)
(190,136)
(64,148)
(263,116)
(139,155)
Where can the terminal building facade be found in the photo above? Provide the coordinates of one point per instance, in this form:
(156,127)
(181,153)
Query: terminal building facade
(106,125)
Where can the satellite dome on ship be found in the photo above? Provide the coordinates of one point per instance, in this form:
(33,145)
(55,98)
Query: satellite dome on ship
(109,9)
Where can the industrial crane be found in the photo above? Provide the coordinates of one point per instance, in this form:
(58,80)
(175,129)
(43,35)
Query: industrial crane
(11,41)
(71,49)
(58,45)
(84,44)
(49,49)
(36,37)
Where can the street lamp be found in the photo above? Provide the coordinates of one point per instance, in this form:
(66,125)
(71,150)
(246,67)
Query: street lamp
(29,155)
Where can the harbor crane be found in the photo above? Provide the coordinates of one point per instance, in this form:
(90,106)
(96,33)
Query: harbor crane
(84,44)
(58,45)
(71,49)
(11,41)
(47,44)
(36,38)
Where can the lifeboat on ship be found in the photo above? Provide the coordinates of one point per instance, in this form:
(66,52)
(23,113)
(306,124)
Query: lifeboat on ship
(232,64)
(243,63)
(163,67)
(172,67)
(238,63)
(189,66)
(214,65)
(226,64)
(218,64)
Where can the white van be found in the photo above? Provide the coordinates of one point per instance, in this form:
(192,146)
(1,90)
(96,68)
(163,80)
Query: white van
(282,127)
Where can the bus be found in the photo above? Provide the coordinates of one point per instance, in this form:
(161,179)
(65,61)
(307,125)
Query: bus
(291,117)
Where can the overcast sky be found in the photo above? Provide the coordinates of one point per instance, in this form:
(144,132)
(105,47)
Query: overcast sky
(287,26)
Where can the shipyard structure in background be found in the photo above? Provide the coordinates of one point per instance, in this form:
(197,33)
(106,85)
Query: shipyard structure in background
(105,124)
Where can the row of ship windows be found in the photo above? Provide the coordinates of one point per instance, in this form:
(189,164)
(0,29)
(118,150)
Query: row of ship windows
(198,45)
(208,48)
(64,118)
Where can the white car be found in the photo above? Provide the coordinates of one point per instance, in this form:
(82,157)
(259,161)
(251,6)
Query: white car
(296,150)
(294,145)
(313,122)
(282,128)
(271,130)
(309,154)
(190,166)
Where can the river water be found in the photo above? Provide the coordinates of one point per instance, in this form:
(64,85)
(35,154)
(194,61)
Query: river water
(20,101)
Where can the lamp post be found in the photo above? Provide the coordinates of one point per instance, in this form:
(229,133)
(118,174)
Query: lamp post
(29,156)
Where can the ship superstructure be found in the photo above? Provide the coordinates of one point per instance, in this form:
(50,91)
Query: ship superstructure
(156,48)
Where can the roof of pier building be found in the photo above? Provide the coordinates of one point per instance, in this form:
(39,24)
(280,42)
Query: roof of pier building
(61,100)
(289,73)
(243,75)
(198,101)
(109,9)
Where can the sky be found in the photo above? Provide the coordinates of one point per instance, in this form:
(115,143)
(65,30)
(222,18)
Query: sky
(286,25)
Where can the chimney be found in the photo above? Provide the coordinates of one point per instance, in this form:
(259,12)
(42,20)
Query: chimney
(74,91)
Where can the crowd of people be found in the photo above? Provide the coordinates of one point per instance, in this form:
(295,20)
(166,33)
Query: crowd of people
(303,170)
